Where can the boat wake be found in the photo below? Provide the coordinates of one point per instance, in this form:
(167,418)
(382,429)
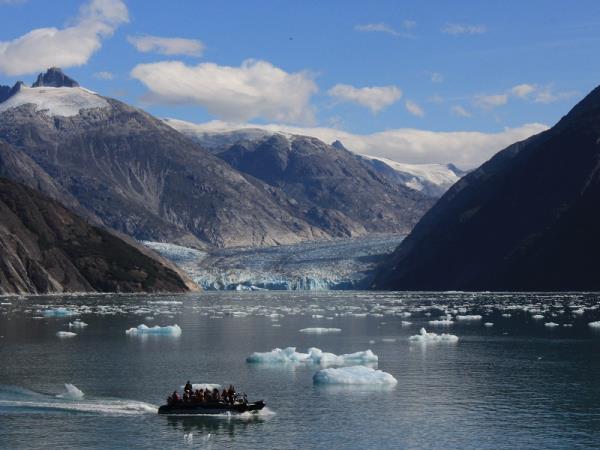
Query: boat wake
(14,399)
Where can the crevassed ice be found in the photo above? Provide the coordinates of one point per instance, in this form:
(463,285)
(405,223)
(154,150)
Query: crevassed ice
(55,101)
(319,330)
(354,375)
(313,356)
(430,338)
(170,330)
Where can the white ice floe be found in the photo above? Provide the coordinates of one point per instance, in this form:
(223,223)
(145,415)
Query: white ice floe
(77,324)
(55,101)
(441,322)
(467,317)
(429,338)
(318,330)
(405,323)
(170,330)
(354,375)
(595,324)
(488,324)
(72,392)
(550,324)
(313,356)
(65,334)
(59,312)
(537,317)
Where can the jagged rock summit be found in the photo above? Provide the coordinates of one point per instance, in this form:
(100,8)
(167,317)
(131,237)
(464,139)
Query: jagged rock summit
(54,77)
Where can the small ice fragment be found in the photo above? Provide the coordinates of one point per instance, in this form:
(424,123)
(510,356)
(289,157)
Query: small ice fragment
(430,338)
(318,330)
(405,323)
(488,324)
(469,317)
(442,322)
(58,312)
(595,324)
(170,330)
(65,334)
(77,324)
(354,375)
(550,324)
(537,317)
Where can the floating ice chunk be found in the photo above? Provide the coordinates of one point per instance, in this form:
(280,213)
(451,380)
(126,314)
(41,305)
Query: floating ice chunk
(442,322)
(59,312)
(388,340)
(537,317)
(595,324)
(506,315)
(469,317)
(354,375)
(317,330)
(405,323)
(430,338)
(77,324)
(578,312)
(488,324)
(65,334)
(72,392)
(170,330)
(314,356)
(550,324)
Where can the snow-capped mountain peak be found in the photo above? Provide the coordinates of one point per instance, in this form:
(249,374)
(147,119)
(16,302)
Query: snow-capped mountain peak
(53,93)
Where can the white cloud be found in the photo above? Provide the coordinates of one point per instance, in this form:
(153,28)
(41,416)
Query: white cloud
(458,28)
(436,77)
(522,90)
(167,46)
(67,47)
(104,75)
(465,148)
(491,101)
(458,110)
(546,95)
(414,108)
(381,27)
(255,89)
(375,98)
(12,2)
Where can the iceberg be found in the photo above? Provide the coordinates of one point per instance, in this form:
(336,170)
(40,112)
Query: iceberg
(77,324)
(550,324)
(595,324)
(318,330)
(59,312)
(431,338)
(143,330)
(354,375)
(313,356)
(65,334)
(442,322)
(469,317)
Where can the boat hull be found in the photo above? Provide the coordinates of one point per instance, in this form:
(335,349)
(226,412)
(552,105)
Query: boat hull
(210,409)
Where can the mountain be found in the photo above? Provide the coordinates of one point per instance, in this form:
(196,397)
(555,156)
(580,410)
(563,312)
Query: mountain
(527,219)
(329,185)
(124,169)
(432,180)
(44,248)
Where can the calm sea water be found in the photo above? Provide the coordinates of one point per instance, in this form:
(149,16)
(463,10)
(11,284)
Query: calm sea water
(516,384)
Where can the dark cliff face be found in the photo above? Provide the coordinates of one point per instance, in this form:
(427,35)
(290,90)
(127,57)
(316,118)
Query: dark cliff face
(44,248)
(528,219)
(54,77)
(337,190)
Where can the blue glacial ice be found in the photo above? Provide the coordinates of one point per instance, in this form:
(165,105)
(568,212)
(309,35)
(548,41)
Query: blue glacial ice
(144,330)
(322,265)
(354,375)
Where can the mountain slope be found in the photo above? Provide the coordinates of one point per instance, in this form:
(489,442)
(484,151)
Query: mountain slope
(131,172)
(525,220)
(44,248)
(331,186)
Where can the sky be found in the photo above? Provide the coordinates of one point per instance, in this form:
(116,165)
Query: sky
(415,81)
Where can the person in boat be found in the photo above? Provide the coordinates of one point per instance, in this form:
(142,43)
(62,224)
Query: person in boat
(188,387)
(231,394)
(186,396)
(199,396)
(216,396)
(224,396)
(173,398)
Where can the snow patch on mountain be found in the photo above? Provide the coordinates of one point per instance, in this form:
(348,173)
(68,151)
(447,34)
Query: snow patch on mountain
(55,101)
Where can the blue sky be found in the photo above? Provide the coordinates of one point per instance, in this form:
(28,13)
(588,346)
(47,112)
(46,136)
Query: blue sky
(433,65)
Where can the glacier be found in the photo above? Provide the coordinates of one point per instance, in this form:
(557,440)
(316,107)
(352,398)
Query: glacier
(317,265)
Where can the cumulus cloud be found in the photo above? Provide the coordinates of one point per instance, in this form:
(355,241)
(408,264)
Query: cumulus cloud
(458,28)
(491,101)
(458,110)
(414,108)
(375,98)
(381,27)
(104,75)
(547,95)
(66,47)
(167,46)
(522,90)
(467,149)
(255,89)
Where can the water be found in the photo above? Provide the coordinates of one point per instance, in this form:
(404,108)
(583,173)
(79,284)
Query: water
(517,384)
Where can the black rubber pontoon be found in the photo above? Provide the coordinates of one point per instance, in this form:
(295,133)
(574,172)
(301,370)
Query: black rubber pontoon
(189,408)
